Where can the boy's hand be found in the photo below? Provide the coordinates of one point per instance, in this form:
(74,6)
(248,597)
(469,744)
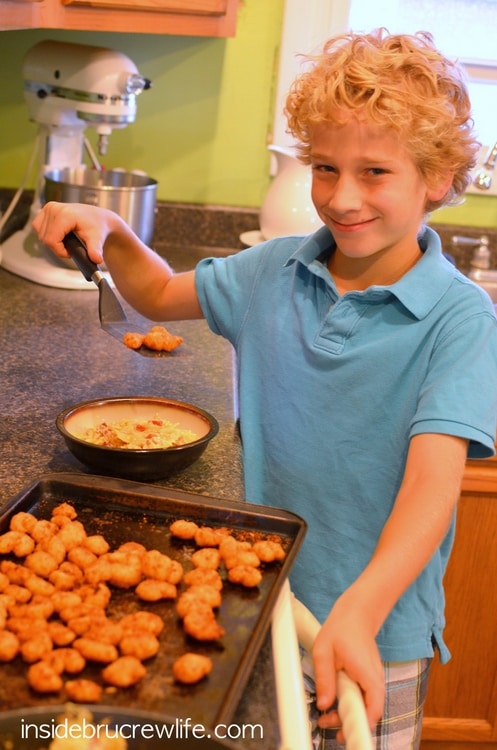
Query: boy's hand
(347,641)
(90,223)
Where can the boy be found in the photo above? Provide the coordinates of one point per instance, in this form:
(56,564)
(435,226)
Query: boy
(367,364)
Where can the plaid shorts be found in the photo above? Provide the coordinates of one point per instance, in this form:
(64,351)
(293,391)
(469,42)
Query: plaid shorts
(400,727)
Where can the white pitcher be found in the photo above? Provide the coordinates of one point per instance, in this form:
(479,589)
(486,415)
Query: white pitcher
(287,207)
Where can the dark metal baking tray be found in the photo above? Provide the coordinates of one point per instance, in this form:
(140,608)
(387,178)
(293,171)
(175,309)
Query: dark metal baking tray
(123,510)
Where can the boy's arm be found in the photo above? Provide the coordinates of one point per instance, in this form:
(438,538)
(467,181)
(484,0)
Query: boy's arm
(417,525)
(144,279)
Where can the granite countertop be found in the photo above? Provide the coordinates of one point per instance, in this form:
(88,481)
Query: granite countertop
(54,354)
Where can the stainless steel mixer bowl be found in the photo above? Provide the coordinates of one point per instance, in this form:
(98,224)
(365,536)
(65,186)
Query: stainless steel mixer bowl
(132,195)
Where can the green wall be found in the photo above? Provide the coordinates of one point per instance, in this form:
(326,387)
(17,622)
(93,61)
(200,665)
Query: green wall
(202,129)
(476,211)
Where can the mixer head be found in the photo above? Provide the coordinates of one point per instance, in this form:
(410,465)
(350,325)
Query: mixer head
(73,86)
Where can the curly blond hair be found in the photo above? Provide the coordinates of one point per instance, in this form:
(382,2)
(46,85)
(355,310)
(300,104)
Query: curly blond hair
(398,81)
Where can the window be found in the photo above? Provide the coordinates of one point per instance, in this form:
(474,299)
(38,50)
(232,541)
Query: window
(462,29)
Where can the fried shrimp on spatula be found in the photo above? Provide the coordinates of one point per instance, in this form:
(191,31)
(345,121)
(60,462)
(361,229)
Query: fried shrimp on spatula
(157,338)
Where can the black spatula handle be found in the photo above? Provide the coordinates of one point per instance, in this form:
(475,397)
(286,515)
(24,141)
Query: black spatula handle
(77,251)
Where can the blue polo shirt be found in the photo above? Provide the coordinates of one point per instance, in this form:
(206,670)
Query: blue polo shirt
(332,388)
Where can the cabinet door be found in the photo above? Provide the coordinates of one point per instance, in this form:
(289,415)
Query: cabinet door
(196,7)
(216,18)
(461,706)
(19,14)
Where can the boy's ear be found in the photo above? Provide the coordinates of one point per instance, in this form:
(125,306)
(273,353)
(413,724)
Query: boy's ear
(441,188)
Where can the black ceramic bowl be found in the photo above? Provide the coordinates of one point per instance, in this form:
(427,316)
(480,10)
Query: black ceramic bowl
(144,464)
(35,728)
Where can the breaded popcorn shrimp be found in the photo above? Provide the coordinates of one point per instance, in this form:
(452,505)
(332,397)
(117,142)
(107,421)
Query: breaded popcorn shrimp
(81,556)
(124,671)
(24,627)
(245,557)
(195,594)
(66,600)
(206,536)
(142,620)
(66,577)
(183,529)
(94,650)
(64,509)
(236,553)
(175,573)
(68,660)
(141,644)
(72,534)
(159,339)
(191,668)
(97,544)
(42,563)
(39,607)
(207,557)
(269,551)
(55,547)
(99,571)
(228,549)
(203,576)
(17,542)
(15,573)
(60,634)
(125,569)
(9,645)
(22,521)
(83,691)
(36,648)
(150,590)
(43,530)
(43,678)
(245,575)
(96,596)
(133,340)
(200,623)
(106,631)
(17,593)
(38,585)
(134,547)
(156,565)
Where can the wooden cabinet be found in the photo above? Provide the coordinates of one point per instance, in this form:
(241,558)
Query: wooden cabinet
(184,17)
(461,707)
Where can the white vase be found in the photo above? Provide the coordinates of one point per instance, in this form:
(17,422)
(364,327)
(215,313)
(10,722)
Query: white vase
(287,207)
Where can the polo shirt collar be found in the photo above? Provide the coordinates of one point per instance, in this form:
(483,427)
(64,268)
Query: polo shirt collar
(419,290)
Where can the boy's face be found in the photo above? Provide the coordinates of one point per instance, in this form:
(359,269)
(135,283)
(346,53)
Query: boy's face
(370,194)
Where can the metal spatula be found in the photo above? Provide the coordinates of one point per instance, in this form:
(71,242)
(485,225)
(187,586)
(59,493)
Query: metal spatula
(113,319)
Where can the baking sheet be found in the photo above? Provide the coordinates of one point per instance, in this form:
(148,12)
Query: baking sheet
(122,510)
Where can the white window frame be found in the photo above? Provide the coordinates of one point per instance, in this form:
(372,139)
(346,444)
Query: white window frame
(302,32)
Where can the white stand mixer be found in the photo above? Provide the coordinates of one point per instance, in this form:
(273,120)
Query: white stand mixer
(69,87)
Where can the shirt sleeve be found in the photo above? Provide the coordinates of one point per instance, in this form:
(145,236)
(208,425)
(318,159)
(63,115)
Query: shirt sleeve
(225,286)
(459,394)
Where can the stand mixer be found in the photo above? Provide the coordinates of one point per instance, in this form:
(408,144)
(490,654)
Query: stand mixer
(67,88)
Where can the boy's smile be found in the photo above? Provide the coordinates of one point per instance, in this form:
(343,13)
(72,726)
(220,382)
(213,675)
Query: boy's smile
(372,197)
